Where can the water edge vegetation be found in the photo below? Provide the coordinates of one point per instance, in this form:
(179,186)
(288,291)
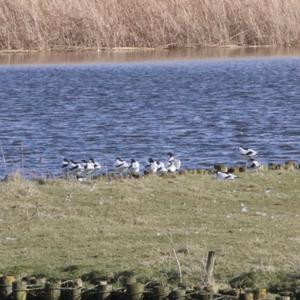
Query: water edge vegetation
(75,24)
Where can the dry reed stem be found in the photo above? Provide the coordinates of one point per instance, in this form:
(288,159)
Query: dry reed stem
(60,24)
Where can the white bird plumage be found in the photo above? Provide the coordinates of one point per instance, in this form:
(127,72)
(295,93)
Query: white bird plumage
(176,162)
(161,168)
(254,164)
(151,167)
(88,168)
(247,152)
(82,170)
(121,166)
(65,163)
(171,166)
(74,168)
(225,176)
(134,167)
(97,166)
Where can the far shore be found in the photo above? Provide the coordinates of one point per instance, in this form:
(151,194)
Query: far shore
(139,49)
(139,54)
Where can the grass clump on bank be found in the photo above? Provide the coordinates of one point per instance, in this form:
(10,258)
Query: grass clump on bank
(67,229)
(58,24)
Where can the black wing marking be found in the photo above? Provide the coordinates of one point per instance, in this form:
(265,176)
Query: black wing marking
(120,165)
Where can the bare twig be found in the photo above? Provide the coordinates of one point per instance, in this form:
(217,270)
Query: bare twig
(178,265)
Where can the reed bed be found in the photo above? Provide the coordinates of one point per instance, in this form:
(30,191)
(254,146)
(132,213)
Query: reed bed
(76,24)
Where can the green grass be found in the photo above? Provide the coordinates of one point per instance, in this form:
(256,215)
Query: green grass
(67,229)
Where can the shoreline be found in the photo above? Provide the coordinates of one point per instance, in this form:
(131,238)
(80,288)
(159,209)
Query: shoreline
(170,47)
(288,165)
(135,54)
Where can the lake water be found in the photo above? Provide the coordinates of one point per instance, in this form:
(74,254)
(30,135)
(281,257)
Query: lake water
(200,109)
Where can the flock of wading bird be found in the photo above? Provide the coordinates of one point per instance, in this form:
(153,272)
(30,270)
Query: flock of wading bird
(87,169)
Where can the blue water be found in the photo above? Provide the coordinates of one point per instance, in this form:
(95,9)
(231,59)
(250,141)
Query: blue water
(201,110)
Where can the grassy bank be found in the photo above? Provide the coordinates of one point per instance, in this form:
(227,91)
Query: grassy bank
(66,229)
(58,24)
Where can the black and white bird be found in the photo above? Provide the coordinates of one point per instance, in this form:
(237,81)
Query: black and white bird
(151,167)
(247,152)
(75,168)
(134,168)
(225,176)
(97,166)
(254,164)
(65,166)
(161,168)
(121,166)
(171,166)
(88,168)
(176,162)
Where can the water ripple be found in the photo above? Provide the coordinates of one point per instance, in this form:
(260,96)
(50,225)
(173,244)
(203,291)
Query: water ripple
(201,110)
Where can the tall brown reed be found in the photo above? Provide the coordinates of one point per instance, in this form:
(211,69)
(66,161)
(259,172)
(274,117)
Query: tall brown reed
(55,24)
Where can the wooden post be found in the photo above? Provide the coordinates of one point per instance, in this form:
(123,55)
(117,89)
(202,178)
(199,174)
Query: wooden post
(285,295)
(260,294)
(210,268)
(236,169)
(221,168)
(246,296)
(19,290)
(203,295)
(75,292)
(6,287)
(130,280)
(104,290)
(134,291)
(178,294)
(41,281)
(52,290)
(242,169)
(291,165)
(160,292)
